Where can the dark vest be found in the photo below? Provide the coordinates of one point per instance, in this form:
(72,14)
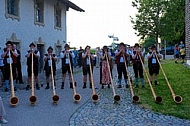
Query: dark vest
(46,66)
(85,59)
(64,59)
(118,59)
(137,62)
(7,56)
(150,64)
(35,60)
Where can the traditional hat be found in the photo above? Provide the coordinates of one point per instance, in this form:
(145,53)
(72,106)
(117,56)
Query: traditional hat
(32,44)
(9,42)
(49,48)
(66,45)
(122,44)
(136,44)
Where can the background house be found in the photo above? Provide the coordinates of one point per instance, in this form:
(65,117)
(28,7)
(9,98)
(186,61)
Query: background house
(40,21)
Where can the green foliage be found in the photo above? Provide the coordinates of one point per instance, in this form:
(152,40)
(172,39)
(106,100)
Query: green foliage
(160,18)
(178,76)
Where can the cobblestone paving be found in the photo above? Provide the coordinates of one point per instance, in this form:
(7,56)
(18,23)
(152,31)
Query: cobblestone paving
(105,113)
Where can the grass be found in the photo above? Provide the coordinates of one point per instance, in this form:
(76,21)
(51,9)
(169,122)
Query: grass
(179,79)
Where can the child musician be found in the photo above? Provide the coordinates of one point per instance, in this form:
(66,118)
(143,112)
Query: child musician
(7,61)
(48,64)
(120,61)
(137,65)
(86,65)
(36,55)
(153,64)
(66,56)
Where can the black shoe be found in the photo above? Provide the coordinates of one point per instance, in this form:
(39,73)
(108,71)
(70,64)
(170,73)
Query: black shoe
(27,87)
(127,86)
(84,86)
(6,89)
(137,86)
(156,83)
(62,86)
(75,84)
(37,87)
(21,82)
(102,86)
(47,87)
(119,86)
(90,86)
(15,89)
(143,86)
(108,86)
(42,85)
(71,85)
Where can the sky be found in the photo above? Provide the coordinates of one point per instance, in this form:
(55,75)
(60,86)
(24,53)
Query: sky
(100,19)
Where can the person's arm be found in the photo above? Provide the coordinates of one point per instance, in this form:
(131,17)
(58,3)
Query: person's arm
(117,53)
(37,55)
(84,55)
(4,54)
(45,57)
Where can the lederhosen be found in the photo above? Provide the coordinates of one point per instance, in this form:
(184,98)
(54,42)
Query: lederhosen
(121,66)
(153,64)
(86,65)
(7,62)
(137,66)
(65,63)
(47,66)
(35,64)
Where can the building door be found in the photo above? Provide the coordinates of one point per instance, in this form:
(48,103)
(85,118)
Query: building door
(40,48)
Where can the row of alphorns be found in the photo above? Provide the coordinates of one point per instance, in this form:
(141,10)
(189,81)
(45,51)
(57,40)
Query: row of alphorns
(77,97)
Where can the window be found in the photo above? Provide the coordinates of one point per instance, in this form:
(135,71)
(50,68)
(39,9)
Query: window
(12,9)
(39,12)
(57,16)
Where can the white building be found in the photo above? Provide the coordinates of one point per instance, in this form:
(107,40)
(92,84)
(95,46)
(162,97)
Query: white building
(40,21)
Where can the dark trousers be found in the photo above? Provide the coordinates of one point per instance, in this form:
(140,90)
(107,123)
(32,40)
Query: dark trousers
(121,70)
(2,70)
(7,71)
(19,71)
(138,72)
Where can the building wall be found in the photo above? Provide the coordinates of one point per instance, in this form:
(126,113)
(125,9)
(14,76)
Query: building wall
(187,31)
(26,31)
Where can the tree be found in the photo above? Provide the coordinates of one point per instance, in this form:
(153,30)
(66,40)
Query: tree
(160,18)
(147,21)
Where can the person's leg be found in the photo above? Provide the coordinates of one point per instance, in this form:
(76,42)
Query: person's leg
(141,76)
(7,75)
(119,71)
(125,76)
(47,81)
(2,112)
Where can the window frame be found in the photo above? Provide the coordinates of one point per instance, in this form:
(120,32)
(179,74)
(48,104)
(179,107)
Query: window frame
(57,8)
(36,22)
(12,16)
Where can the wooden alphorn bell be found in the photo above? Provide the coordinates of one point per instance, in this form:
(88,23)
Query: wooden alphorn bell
(94,97)
(32,98)
(76,96)
(157,99)
(116,96)
(177,98)
(13,100)
(55,97)
(135,98)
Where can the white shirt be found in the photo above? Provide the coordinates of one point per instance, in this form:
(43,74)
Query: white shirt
(38,53)
(49,63)
(153,57)
(121,58)
(62,55)
(10,60)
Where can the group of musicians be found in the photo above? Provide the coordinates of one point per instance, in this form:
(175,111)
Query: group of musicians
(10,56)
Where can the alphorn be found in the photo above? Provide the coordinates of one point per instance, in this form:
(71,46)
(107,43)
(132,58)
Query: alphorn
(13,100)
(32,98)
(76,96)
(177,98)
(55,97)
(94,96)
(157,99)
(116,97)
(135,98)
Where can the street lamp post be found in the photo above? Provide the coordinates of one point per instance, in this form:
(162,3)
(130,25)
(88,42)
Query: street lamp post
(114,39)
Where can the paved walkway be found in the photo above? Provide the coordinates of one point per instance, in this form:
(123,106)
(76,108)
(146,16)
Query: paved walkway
(84,113)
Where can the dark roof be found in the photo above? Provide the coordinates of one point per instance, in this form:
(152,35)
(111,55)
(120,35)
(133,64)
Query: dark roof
(69,4)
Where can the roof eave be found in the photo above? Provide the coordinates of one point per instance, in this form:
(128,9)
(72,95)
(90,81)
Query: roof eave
(70,4)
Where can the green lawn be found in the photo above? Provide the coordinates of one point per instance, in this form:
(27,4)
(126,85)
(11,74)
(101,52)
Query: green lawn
(179,78)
